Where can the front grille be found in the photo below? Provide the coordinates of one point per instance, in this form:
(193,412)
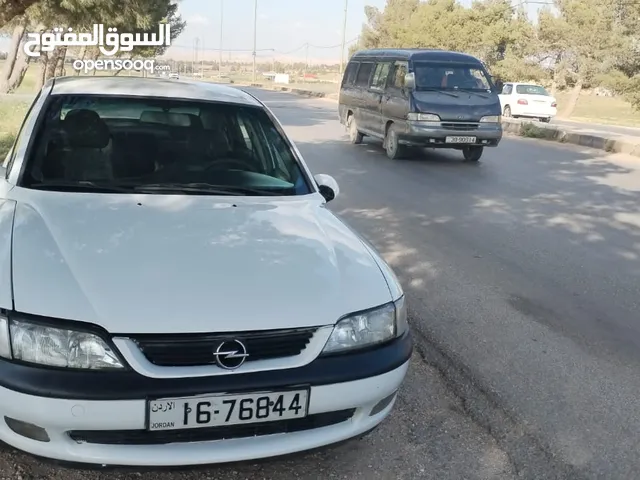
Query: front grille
(459,126)
(184,350)
(144,437)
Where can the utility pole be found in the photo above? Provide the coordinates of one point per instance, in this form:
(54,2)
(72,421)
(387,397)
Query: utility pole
(202,61)
(195,56)
(255,32)
(344,37)
(221,37)
(306,65)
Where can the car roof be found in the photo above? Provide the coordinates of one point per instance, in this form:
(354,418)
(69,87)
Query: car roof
(417,54)
(152,87)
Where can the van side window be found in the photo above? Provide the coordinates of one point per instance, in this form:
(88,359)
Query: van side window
(350,73)
(381,75)
(364,73)
(508,88)
(400,69)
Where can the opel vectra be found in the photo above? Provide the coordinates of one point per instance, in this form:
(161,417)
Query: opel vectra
(173,289)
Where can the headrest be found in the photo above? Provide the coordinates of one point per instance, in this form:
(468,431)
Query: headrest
(166,118)
(85,129)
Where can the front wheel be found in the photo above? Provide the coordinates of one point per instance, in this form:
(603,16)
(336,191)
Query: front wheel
(472,154)
(355,136)
(392,144)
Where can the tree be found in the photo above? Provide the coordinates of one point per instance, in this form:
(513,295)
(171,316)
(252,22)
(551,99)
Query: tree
(11,9)
(588,39)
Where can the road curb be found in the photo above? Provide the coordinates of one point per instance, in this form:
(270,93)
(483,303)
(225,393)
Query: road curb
(521,128)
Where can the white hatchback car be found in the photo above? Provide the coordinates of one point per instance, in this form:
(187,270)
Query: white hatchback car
(527,100)
(174,290)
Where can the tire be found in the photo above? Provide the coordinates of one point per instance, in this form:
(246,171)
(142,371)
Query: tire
(507,111)
(392,145)
(355,137)
(545,120)
(472,154)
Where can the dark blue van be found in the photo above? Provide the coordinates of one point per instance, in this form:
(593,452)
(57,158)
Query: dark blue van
(420,98)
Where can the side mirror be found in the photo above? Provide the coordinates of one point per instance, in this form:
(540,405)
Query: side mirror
(328,186)
(410,81)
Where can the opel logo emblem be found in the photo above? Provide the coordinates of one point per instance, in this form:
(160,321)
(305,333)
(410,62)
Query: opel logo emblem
(230,354)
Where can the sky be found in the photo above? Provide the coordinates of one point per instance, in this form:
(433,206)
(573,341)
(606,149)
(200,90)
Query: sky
(283,27)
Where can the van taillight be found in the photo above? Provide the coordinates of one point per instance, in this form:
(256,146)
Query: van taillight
(522,101)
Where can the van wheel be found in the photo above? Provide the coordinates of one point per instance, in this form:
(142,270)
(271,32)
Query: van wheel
(507,111)
(392,145)
(472,154)
(355,136)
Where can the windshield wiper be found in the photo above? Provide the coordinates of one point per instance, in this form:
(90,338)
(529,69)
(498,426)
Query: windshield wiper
(469,90)
(444,92)
(81,185)
(203,188)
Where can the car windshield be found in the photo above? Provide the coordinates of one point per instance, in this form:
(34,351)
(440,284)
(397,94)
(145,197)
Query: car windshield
(445,76)
(105,143)
(531,90)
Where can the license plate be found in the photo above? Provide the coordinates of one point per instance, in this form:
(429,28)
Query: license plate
(460,140)
(220,410)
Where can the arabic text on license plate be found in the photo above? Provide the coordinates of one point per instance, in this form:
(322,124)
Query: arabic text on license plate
(217,410)
(460,140)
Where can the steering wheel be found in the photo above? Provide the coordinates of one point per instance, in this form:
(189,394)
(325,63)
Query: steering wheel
(231,161)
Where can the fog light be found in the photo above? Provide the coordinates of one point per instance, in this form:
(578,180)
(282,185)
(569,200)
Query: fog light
(27,429)
(382,404)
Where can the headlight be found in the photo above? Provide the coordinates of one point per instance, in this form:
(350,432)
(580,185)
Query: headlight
(423,117)
(491,119)
(55,347)
(369,328)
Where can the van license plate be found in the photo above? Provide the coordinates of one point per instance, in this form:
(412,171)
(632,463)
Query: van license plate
(221,410)
(460,140)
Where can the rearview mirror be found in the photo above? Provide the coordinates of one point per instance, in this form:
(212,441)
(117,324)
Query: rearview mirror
(410,80)
(328,186)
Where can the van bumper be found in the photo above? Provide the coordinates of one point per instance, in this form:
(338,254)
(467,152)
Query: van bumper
(441,134)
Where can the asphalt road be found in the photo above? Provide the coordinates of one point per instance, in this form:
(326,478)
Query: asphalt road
(523,274)
(523,278)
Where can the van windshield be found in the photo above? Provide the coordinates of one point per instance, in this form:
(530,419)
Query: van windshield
(445,76)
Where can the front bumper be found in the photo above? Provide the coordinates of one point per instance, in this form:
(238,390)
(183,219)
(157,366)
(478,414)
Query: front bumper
(351,406)
(434,134)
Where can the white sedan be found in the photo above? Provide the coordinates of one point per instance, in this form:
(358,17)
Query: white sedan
(173,289)
(527,100)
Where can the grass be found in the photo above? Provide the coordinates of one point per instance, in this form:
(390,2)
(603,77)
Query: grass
(12,113)
(609,110)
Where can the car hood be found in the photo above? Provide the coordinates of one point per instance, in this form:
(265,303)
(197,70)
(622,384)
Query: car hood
(470,106)
(171,264)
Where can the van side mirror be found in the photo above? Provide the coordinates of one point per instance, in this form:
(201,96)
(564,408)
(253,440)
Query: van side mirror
(410,81)
(327,186)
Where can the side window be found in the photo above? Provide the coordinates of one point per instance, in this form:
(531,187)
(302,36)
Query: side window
(381,75)
(11,156)
(508,88)
(364,73)
(350,74)
(400,69)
